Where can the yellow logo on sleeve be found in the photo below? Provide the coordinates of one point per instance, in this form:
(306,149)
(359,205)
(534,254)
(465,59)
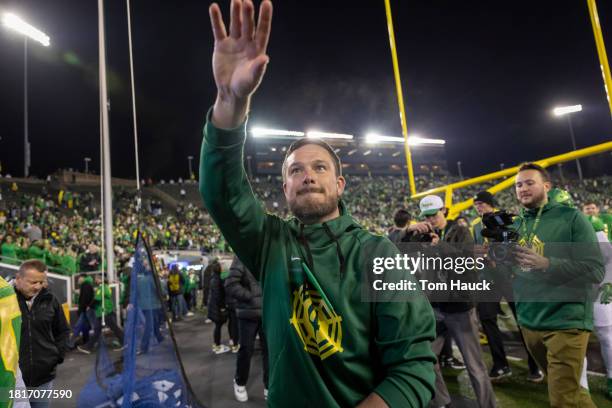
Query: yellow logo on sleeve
(319,328)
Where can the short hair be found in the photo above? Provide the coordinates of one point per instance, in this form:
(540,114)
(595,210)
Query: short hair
(534,166)
(37,265)
(401,218)
(306,141)
(590,203)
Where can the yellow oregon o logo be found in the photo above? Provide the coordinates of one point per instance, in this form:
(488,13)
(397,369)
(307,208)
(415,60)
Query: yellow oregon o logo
(536,245)
(319,328)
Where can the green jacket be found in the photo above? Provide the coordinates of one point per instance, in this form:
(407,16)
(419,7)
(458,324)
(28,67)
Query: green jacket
(109,307)
(607,220)
(10,336)
(560,297)
(337,355)
(9,251)
(36,252)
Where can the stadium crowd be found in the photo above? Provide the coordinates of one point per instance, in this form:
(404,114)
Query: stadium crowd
(60,228)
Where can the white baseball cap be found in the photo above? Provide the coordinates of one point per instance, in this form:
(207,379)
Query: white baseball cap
(430,205)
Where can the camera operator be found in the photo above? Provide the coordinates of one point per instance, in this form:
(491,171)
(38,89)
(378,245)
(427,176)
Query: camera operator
(398,231)
(456,318)
(484,203)
(556,330)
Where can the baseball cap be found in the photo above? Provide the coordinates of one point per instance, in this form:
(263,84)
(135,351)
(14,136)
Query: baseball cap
(430,205)
(485,197)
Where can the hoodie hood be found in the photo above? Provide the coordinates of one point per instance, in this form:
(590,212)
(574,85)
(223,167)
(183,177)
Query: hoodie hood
(324,234)
(533,212)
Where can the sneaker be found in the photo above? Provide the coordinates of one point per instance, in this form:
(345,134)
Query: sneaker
(84,350)
(235,348)
(536,377)
(207,321)
(453,363)
(189,314)
(220,349)
(499,373)
(240,392)
(265,394)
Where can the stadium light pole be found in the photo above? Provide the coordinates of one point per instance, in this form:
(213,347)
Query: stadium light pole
(459,170)
(190,158)
(13,22)
(87,160)
(567,112)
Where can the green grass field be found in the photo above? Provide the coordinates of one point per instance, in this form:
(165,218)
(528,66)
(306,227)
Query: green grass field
(516,391)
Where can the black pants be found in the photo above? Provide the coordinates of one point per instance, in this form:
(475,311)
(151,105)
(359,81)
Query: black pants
(232,325)
(533,366)
(505,290)
(217,332)
(110,321)
(487,312)
(248,331)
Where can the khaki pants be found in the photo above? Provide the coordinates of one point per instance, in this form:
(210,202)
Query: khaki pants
(560,354)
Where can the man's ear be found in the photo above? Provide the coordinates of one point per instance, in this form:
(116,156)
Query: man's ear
(340,185)
(547,186)
(285,188)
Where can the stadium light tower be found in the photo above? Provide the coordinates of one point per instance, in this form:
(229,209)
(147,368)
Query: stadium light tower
(87,160)
(13,22)
(190,158)
(567,112)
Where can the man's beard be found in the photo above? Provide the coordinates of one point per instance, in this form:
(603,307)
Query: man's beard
(310,212)
(536,200)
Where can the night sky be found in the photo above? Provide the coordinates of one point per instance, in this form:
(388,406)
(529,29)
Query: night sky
(483,75)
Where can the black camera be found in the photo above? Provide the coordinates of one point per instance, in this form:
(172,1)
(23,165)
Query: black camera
(422,237)
(498,229)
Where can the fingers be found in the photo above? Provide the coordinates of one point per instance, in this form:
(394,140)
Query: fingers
(264,25)
(235,19)
(216,20)
(248,20)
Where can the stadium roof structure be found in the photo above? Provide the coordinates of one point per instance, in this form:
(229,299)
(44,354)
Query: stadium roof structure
(372,154)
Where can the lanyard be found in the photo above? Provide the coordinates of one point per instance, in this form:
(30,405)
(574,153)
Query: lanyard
(531,235)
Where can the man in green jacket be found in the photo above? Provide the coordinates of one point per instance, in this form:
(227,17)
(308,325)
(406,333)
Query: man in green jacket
(558,263)
(591,209)
(324,341)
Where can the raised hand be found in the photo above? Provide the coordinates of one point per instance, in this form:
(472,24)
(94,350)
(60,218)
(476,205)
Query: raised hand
(239,59)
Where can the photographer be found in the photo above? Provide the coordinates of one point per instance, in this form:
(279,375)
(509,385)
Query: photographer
(556,330)
(484,203)
(455,317)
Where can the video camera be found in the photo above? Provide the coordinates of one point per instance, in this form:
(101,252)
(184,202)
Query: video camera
(497,228)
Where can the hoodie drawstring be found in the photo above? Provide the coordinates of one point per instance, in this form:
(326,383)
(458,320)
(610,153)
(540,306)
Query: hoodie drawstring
(338,249)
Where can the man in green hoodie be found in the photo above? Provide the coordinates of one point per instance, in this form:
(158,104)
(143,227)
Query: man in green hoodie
(324,341)
(558,263)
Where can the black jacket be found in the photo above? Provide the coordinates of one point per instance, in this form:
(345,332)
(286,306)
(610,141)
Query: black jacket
(217,308)
(242,286)
(86,259)
(456,241)
(44,336)
(86,296)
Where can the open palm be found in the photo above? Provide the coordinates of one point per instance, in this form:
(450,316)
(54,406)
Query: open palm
(239,59)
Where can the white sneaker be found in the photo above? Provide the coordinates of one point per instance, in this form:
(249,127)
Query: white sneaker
(189,314)
(240,392)
(221,349)
(266,394)
(207,321)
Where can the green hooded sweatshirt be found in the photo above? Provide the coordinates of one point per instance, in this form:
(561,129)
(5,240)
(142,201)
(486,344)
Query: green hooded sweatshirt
(109,306)
(568,240)
(331,348)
